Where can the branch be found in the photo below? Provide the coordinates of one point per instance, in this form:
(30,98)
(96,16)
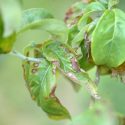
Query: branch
(25,58)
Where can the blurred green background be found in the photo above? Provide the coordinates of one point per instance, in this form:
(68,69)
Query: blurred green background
(16,106)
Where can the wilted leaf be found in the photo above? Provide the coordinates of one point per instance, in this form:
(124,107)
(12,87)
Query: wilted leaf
(41,82)
(39,18)
(108,39)
(74,12)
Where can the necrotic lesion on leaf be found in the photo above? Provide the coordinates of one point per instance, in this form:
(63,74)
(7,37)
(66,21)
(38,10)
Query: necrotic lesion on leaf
(65,59)
(41,82)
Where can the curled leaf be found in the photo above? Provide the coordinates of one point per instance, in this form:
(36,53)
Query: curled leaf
(63,57)
(41,81)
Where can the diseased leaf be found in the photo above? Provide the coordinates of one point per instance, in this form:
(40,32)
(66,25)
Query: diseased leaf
(39,18)
(41,82)
(108,39)
(56,51)
(64,58)
(74,12)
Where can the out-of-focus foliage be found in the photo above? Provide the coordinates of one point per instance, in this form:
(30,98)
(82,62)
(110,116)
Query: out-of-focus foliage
(39,18)
(8,24)
(98,114)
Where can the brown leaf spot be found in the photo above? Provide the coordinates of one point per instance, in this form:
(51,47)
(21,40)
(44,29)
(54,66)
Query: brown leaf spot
(56,63)
(75,64)
(52,94)
(33,97)
(54,70)
(34,71)
(24,72)
(72,76)
(36,64)
(68,14)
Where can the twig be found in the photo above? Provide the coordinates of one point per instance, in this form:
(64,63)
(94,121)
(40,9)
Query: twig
(25,58)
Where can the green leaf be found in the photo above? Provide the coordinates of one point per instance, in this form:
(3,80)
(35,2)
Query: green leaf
(65,59)
(41,82)
(41,19)
(11,15)
(73,31)
(80,36)
(103,1)
(108,39)
(32,17)
(94,6)
(86,64)
(86,61)
(91,9)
